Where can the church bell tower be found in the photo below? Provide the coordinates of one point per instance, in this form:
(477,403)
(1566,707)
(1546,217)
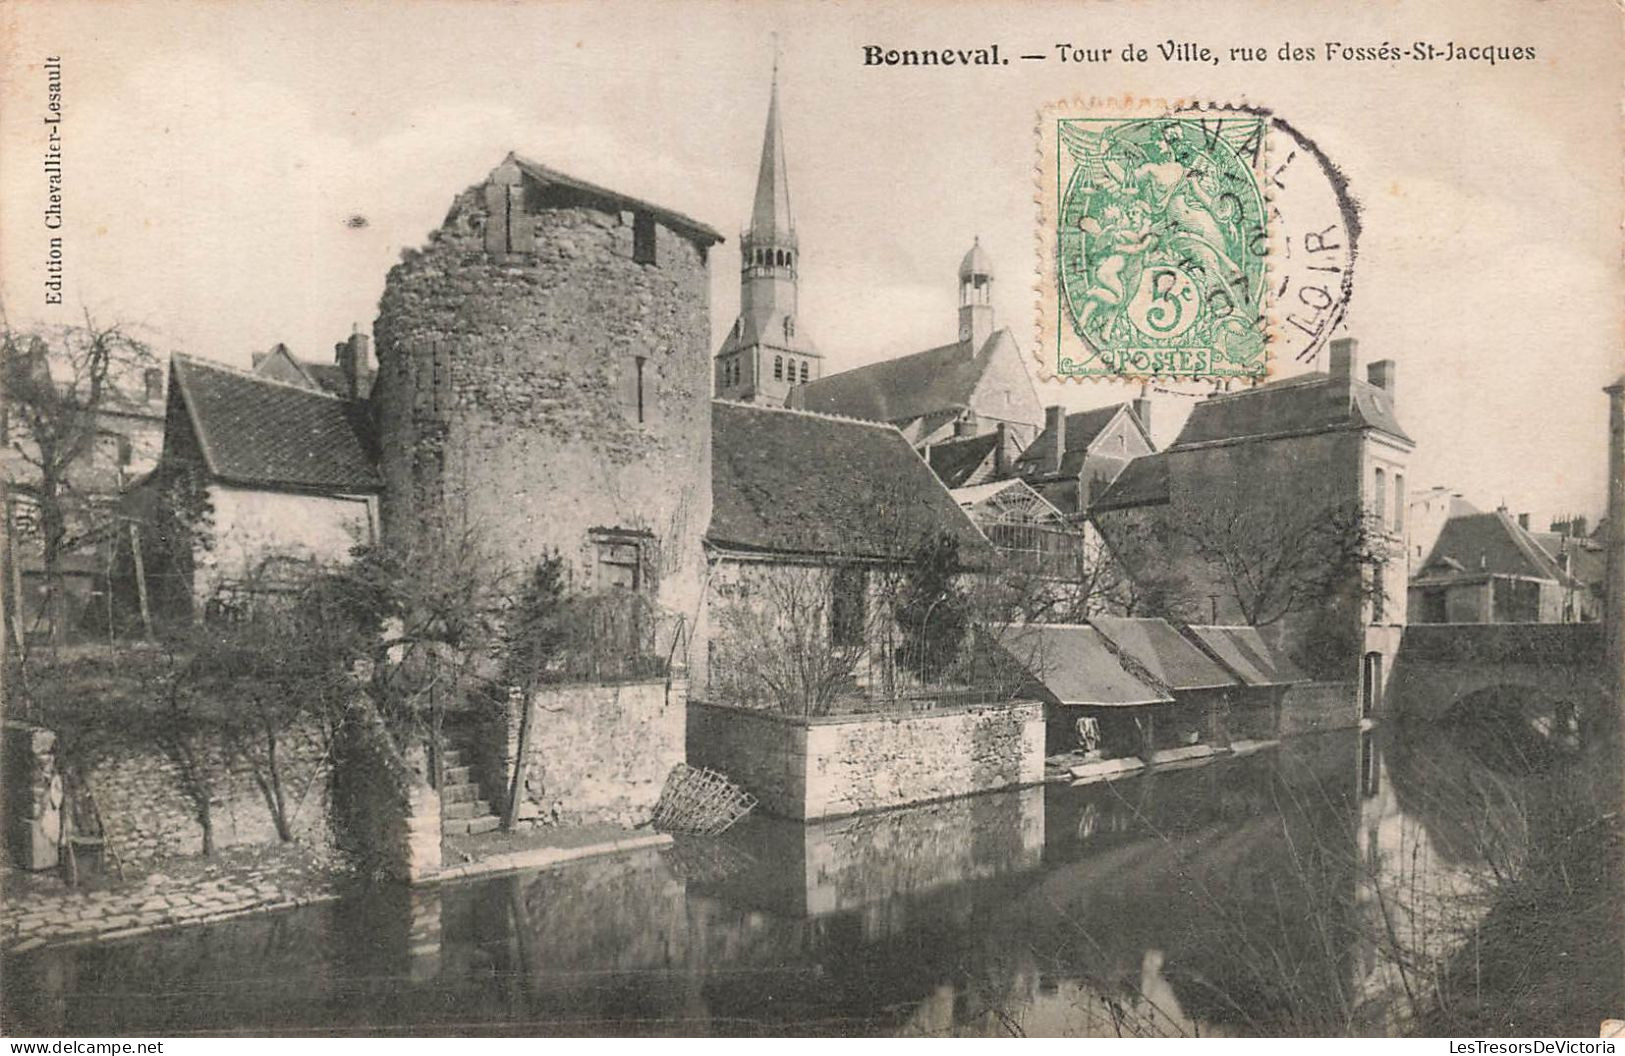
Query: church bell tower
(767,352)
(976,297)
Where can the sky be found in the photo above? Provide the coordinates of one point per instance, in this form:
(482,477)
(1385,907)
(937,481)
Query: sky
(241,174)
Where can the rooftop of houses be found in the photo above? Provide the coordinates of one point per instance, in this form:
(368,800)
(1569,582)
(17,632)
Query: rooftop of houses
(1487,544)
(955,461)
(1075,665)
(1165,654)
(258,431)
(786,481)
(1308,403)
(1243,653)
(1143,482)
(908,387)
(1081,430)
(280,364)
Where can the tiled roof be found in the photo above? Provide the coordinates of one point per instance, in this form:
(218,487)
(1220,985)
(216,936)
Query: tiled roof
(1588,562)
(1242,651)
(684,225)
(794,482)
(261,432)
(1073,664)
(895,390)
(1081,429)
(1483,544)
(1163,651)
(955,460)
(1143,482)
(1307,403)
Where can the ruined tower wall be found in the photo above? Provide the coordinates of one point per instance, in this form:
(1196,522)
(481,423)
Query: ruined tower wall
(508,396)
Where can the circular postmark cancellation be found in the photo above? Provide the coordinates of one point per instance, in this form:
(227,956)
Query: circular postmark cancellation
(1186,240)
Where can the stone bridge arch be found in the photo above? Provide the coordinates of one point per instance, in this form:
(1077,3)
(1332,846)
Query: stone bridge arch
(1442,669)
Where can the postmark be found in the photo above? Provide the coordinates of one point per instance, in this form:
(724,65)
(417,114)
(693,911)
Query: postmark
(1157,229)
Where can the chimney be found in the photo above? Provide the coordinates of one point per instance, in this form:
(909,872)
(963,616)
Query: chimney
(1381,374)
(965,426)
(1142,406)
(1055,429)
(351,357)
(1001,453)
(1345,359)
(1523,521)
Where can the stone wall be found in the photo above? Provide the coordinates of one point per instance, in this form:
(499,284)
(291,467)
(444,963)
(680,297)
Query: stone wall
(540,395)
(829,767)
(599,753)
(1314,707)
(148,817)
(253,524)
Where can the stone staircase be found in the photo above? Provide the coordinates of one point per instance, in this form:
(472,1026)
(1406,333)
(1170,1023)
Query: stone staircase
(462,811)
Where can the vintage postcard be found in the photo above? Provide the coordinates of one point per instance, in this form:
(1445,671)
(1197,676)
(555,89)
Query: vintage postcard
(921,519)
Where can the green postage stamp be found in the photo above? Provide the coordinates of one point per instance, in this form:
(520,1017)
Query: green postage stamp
(1153,243)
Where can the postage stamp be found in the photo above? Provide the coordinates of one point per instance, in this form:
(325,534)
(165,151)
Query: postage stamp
(1154,236)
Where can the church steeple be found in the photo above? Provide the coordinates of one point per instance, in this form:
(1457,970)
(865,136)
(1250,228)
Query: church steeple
(770,217)
(764,355)
(976,297)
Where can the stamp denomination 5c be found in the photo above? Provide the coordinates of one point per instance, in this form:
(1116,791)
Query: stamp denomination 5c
(1152,243)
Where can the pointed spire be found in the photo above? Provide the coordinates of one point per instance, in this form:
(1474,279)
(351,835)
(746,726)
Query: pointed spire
(770,216)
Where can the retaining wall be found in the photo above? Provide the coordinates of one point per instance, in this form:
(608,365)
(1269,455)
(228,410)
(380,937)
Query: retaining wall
(598,753)
(838,765)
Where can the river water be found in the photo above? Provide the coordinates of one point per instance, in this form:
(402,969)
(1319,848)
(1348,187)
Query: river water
(1325,886)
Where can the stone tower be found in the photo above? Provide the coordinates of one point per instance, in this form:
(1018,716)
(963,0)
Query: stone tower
(767,351)
(543,384)
(976,297)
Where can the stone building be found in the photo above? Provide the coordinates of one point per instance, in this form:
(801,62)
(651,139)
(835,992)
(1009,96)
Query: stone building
(818,541)
(1261,473)
(1425,517)
(1077,456)
(544,384)
(255,472)
(768,352)
(1489,568)
(968,388)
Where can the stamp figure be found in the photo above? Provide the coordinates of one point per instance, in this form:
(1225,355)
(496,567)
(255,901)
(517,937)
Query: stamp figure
(1159,228)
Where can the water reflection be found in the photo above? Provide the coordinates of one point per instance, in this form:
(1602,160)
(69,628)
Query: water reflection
(1307,889)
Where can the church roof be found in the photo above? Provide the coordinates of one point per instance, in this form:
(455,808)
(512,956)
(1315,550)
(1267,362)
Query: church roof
(901,389)
(256,431)
(977,262)
(1308,403)
(809,484)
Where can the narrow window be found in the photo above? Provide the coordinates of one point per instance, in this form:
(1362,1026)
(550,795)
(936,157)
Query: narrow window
(1399,504)
(1379,593)
(789,327)
(124,451)
(804,372)
(778,368)
(643,238)
(1381,495)
(640,360)
(154,379)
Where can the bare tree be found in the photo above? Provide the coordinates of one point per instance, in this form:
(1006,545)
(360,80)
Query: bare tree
(57,385)
(1276,560)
